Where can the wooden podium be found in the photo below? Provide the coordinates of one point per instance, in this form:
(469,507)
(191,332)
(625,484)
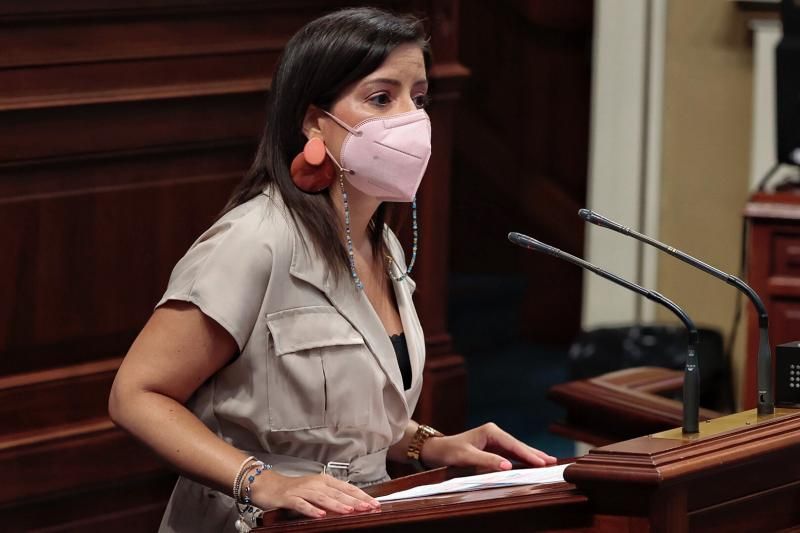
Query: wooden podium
(740,473)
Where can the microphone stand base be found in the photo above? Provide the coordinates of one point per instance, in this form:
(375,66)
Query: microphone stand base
(724,424)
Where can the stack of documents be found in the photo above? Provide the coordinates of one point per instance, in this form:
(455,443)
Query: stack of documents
(508,478)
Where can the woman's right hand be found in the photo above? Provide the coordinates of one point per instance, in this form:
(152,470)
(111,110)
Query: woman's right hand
(310,495)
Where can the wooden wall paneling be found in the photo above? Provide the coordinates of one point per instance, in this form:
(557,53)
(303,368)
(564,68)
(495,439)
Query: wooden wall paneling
(121,134)
(88,37)
(95,264)
(134,505)
(521,145)
(91,453)
(128,125)
(58,85)
(149,167)
(59,396)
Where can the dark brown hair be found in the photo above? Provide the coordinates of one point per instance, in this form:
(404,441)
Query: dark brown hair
(318,63)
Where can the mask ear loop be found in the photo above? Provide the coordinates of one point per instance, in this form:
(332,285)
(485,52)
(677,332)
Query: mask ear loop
(350,130)
(335,162)
(342,123)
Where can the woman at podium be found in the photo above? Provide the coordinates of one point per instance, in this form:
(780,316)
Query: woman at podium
(284,361)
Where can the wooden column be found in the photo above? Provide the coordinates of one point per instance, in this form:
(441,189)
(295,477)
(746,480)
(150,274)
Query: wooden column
(443,400)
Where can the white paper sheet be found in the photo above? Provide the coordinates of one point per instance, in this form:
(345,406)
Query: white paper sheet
(527,476)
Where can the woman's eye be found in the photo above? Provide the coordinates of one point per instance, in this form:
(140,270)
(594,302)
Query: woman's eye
(380,99)
(422,100)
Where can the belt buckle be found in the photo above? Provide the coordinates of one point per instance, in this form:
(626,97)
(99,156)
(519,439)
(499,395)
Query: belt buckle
(337,469)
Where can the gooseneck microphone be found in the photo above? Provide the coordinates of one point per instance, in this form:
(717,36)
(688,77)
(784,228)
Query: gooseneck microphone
(766,396)
(691,379)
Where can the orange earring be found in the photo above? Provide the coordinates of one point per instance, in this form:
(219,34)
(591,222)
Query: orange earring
(312,170)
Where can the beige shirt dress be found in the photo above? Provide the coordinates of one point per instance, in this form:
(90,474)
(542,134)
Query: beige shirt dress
(316,379)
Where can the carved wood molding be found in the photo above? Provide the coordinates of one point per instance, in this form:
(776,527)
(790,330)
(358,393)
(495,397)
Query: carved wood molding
(70,458)
(773,206)
(693,474)
(31,402)
(83,447)
(135,94)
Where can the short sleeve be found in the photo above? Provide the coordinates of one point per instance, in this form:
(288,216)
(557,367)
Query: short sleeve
(225,272)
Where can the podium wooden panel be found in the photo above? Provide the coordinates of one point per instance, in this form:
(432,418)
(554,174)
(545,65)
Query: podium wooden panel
(525,508)
(740,474)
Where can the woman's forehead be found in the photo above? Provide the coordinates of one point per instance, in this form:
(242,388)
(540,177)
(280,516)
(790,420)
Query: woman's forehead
(405,62)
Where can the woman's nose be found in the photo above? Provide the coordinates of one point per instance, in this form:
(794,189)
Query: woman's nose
(407,103)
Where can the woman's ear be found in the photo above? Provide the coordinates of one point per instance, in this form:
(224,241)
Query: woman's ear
(311,122)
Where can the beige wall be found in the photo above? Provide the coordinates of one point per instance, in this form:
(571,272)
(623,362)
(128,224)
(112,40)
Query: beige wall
(705,156)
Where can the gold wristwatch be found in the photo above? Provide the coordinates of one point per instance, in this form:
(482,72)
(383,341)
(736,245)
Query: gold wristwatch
(415,447)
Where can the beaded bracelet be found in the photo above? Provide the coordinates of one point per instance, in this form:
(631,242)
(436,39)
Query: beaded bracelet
(244,504)
(244,482)
(237,481)
(248,487)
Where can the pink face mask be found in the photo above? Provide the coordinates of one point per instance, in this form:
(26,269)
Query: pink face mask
(385,157)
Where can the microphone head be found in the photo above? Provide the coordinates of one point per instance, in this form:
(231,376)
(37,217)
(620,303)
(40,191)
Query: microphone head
(599,220)
(518,238)
(531,244)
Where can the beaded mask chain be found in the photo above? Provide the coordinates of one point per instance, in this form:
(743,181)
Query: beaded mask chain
(389,259)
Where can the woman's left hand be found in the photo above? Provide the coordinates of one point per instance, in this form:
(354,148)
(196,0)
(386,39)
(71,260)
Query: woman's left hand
(480,447)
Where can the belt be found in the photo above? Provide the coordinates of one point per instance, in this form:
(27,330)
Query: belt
(364,470)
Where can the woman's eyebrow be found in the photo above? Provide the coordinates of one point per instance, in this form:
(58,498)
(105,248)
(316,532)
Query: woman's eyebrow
(392,81)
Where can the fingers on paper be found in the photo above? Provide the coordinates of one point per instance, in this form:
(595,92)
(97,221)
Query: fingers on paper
(501,440)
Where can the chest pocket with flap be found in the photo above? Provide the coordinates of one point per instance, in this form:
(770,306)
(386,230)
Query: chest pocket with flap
(305,343)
